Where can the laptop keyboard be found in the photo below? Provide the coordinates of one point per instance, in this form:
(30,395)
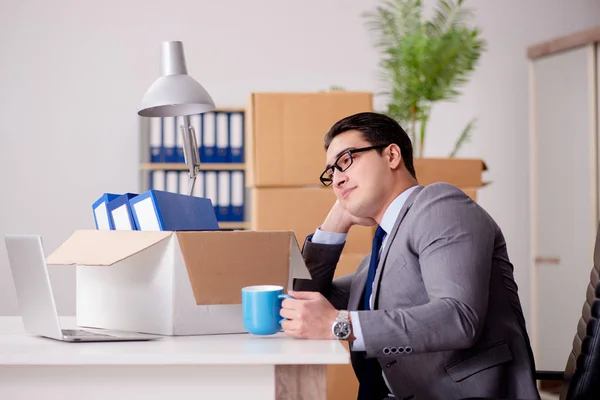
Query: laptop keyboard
(79,332)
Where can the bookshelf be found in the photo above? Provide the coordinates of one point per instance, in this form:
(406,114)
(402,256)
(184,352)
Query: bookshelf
(183,167)
(161,155)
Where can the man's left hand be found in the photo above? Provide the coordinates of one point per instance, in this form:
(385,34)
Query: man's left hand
(308,316)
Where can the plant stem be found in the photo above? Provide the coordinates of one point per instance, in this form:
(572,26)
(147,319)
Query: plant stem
(413,128)
(423,124)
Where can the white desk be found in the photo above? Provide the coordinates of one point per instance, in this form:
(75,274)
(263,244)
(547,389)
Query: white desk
(173,368)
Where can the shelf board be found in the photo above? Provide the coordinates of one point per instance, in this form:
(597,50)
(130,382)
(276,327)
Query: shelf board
(229,109)
(233,225)
(184,167)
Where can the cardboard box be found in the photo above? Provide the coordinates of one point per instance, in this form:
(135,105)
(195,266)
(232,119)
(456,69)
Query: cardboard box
(302,210)
(285,131)
(174,283)
(461,172)
(471,192)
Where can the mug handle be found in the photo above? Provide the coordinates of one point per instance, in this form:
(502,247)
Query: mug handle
(284,296)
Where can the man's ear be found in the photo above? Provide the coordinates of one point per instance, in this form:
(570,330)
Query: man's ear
(393,155)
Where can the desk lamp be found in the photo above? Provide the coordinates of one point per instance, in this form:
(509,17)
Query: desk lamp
(175,94)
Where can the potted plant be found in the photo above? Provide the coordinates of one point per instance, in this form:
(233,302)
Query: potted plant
(424,62)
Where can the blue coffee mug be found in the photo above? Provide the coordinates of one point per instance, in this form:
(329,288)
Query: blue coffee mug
(260,308)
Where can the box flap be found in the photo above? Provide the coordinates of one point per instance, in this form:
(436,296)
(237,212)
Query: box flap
(95,247)
(298,267)
(220,264)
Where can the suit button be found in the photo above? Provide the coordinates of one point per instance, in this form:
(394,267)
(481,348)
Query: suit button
(401,350)
(386,350)
(394,350)
(408,349)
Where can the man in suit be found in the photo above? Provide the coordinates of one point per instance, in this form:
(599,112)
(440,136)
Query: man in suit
(433,310)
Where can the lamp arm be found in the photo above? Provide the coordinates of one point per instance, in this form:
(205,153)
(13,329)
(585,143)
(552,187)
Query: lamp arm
(190,151)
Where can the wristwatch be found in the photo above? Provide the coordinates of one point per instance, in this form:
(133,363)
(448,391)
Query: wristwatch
(342,328)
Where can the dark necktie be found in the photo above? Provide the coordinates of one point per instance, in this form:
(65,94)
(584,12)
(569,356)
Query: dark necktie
(377,240)
(372,386)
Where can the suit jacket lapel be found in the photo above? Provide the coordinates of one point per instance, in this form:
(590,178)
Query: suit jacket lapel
(391,236)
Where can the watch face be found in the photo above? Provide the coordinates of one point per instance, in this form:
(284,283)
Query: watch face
(341,330)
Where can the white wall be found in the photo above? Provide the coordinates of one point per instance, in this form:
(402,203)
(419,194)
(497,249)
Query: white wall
(498,96)
(72,74)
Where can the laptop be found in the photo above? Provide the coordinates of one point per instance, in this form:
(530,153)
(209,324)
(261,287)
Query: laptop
(36,300)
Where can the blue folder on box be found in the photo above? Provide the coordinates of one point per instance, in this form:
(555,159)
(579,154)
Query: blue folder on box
(102,217)
(120,212)
(156,210)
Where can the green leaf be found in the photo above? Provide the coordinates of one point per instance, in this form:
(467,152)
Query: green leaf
(464,137)
(449,15)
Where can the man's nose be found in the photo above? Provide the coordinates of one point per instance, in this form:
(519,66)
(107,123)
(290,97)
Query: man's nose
(339,178)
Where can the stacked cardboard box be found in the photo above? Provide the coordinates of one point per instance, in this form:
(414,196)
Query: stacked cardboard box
(466,173)
(285,157)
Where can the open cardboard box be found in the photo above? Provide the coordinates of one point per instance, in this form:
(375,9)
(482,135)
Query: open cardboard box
(174,283)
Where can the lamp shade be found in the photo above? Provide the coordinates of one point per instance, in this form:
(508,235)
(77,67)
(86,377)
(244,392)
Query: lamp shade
(175,93)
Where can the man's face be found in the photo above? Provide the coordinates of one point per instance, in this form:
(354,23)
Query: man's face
(361,187)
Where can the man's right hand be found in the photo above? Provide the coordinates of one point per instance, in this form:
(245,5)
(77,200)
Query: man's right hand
(340,220)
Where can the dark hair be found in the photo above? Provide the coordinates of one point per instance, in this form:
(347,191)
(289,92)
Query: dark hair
(377,129)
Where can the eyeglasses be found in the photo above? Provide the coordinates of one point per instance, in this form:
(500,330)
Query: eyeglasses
(343,162)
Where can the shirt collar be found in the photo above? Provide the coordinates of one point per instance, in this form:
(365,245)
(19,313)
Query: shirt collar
(391,214)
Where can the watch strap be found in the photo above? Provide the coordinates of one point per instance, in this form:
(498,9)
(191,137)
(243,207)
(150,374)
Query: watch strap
(344,315)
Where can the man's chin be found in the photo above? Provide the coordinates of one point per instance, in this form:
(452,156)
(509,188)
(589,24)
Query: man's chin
(356,209)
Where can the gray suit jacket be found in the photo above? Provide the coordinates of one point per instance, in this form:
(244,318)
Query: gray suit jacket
(447,322)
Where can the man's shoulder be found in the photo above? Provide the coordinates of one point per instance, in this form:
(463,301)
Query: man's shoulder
(447,202)
(441,190)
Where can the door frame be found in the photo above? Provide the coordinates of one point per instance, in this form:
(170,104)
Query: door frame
(593,137)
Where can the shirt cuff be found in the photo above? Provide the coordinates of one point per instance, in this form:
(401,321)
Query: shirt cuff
(325,237)
(359,343)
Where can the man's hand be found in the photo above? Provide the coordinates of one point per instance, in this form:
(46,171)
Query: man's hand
(340,220)
(309,316)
